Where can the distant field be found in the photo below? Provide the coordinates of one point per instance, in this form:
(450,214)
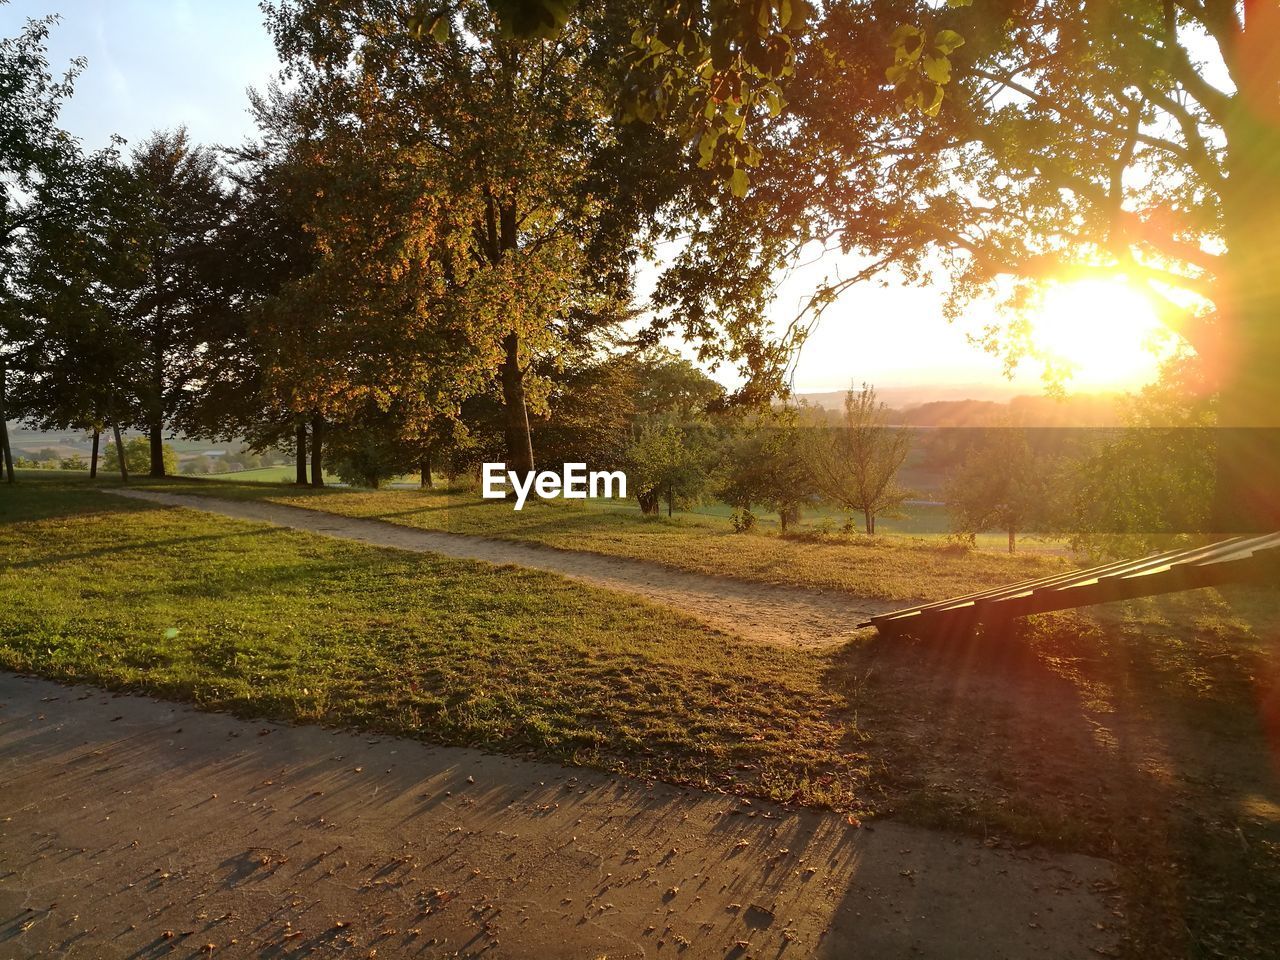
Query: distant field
(280,473)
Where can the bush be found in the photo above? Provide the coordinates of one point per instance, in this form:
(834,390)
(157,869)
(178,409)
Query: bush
(137,457)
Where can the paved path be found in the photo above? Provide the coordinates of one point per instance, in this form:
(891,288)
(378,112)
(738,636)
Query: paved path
(132,828)
(755,611)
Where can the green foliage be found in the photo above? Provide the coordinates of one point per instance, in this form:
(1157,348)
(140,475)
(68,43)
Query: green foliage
(716,68)
(77,284)
(921,66)
(137,457)
(1149,486)
(763,464)
(855,463)
(368,461)
(34,150)
(670,460)
(666,383)
(1002,484)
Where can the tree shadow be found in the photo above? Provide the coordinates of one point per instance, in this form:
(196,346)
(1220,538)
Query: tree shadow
(1145,733)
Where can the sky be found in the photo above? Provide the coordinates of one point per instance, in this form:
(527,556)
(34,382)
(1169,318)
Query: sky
(156,64)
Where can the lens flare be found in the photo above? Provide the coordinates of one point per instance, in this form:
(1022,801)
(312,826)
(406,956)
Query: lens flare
(1103,333)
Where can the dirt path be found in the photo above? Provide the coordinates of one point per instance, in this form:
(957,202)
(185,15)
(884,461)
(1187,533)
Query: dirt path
(135,828)
(755,611)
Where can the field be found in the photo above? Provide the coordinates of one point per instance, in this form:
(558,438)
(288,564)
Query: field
(1139,733)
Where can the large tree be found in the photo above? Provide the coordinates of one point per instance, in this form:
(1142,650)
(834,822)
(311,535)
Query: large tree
(251,378)
(34,151)
(512,149)
(1140,139)
(181,204)
(75,284)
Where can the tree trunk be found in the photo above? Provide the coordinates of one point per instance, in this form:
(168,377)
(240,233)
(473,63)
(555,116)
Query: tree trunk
(124,467)
(670,501)
(504,232)
(515,411)
(93,457)
(6,453)
(300,462)
(156,431)
(648,503)
(869,522)
(317,446)
(1012,540)
(1244,349)
(424,468)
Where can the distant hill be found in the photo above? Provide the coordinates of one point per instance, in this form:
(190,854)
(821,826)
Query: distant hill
(65,443)
(1082,410)
(903,398)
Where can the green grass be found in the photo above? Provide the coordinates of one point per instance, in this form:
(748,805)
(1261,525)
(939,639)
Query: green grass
(886,567)
(1140,734)
(280,473)
(264,620)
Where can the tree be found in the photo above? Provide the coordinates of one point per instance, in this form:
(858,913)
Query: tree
(368,450)
(505,151)
(1138,139)
(181,206)
(1002,484)
(1116,503)
(255,370)
(856,462)
(33,152)
(764,464)
(137,456)
(670,460)
(74,285)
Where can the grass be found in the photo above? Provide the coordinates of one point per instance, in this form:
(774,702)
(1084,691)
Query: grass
(280,473)
(883,567)
(1146,734)
(262,620)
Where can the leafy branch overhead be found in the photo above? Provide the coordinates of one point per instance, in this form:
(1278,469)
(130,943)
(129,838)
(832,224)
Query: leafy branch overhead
(715,69)
(921,66)
(709,69)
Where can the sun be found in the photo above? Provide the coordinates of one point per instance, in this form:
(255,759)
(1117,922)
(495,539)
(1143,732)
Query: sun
(1101,333)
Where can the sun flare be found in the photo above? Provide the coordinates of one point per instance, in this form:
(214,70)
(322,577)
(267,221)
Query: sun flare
(1103,333)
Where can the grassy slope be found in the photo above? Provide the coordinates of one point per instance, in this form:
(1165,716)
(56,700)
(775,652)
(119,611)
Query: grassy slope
(1140,736)
(884,567)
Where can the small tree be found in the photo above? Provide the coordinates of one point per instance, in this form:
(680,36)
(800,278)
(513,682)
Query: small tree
(765,465)
(1116,503)
(670,460)
(1000,485)
(137,457)
(855,463)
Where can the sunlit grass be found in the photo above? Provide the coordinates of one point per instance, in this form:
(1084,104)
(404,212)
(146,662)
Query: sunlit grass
(884,567)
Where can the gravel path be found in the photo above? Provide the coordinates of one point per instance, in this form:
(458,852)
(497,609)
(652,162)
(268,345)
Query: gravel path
(133,828)
(754,611)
